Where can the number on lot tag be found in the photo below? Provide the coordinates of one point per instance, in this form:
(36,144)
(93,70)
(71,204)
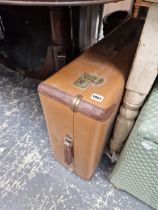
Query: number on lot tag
(97,97)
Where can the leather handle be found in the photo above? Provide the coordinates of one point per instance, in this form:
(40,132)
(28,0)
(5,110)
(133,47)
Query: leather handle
(68,150)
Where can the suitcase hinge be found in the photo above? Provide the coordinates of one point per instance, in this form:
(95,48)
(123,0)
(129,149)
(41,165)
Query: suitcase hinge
(68,150)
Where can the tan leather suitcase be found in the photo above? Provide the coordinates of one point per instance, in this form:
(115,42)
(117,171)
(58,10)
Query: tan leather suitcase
(80,101)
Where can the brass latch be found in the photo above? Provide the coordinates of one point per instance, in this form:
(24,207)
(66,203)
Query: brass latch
(76,102)
(68,150)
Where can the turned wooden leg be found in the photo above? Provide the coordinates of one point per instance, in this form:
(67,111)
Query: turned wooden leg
(143,73)
(136,11)
(136,8)
(126,118)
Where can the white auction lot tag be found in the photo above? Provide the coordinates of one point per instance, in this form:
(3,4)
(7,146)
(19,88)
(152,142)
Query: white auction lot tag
(97,97)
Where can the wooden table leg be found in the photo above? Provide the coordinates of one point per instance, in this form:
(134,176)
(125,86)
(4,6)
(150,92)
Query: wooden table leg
(140,81)
(136,11)
(126,118)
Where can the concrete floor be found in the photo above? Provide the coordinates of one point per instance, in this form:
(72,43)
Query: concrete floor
(30,178)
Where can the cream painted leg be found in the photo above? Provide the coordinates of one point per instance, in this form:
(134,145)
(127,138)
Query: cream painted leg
(140,81)
(126,118)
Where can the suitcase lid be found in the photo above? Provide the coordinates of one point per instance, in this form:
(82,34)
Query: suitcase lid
(93,83)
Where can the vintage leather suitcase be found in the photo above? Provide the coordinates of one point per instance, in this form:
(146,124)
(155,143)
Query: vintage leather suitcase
(80,101)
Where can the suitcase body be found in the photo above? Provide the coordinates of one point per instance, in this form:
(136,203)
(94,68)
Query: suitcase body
(80,101)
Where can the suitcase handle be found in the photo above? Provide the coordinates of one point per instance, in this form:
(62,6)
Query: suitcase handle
(68,150)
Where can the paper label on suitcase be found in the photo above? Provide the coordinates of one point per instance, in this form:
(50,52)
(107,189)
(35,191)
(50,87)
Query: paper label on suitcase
(86,79)
(97,97)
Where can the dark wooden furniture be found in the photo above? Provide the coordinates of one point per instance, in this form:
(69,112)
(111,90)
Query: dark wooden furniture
(54,2)
(141,3)
(65,30)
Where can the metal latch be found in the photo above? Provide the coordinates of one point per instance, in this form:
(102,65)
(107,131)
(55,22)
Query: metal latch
(68,150)
(76,102)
